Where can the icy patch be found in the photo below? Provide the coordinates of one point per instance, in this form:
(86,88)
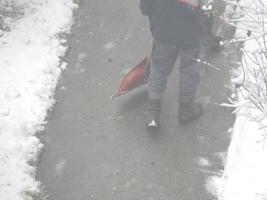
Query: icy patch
(110,45)
(79,67)
(127,36)
(60,166)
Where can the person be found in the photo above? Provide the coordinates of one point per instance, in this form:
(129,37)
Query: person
(177,29)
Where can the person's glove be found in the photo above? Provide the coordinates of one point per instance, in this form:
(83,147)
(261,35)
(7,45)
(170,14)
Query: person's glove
(205,15)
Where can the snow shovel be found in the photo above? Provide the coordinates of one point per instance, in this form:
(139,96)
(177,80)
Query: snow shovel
(134,78)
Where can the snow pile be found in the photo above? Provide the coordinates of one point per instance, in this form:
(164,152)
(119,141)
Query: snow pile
(245,175)
(30,65)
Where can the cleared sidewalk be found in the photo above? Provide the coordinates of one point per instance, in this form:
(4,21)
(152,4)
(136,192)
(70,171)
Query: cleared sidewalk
(98,148)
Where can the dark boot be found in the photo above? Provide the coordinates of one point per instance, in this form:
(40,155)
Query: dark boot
(188,111)
(153,114)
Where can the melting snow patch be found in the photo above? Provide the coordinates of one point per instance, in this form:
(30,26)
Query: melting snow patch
(109,46)
(204,162)
(60,166)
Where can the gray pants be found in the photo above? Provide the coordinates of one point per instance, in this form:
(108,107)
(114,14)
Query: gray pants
(163,59)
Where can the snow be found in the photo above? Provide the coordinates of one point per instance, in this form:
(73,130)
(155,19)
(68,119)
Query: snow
(108,46)
(204,162)
(245,174)
(79,67)
(30,63)
(60,166)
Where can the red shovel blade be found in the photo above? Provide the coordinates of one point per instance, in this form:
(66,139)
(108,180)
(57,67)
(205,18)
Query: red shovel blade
(133,79)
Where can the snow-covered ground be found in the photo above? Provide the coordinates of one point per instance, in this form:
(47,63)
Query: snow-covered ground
(245,174)
(30,64)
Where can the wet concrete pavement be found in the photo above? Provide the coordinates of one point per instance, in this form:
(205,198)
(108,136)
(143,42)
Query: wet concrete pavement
(98,148)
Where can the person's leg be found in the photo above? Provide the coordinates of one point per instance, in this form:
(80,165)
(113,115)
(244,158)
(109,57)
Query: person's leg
(162,61)
(189,75)
(189,81)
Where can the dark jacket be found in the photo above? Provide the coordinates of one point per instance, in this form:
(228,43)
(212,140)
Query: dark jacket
(173,23)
